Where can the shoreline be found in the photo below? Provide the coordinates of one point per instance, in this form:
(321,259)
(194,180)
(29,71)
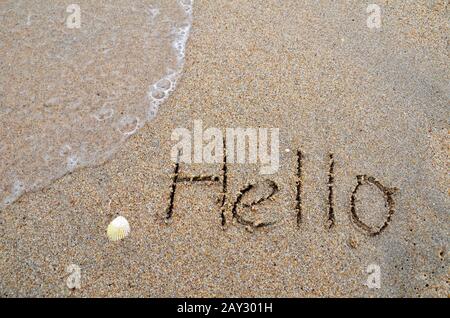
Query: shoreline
(264,66)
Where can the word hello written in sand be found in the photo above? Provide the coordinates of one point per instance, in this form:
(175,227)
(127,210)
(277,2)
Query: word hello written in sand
(179,178)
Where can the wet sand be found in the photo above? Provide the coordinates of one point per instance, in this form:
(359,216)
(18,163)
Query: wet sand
(376,100)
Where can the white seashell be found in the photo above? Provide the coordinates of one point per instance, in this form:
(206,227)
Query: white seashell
(118,229)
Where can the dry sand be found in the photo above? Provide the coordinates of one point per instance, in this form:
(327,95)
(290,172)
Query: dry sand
(376,99)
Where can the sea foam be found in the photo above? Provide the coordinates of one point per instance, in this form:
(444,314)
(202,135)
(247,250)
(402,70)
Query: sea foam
(70,97)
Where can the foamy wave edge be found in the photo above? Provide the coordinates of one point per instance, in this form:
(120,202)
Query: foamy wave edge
(158,93)
(161,89)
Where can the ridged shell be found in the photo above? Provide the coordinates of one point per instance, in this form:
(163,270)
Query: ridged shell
(118,229)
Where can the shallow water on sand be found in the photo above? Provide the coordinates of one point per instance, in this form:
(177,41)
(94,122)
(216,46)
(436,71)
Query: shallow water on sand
(69,97)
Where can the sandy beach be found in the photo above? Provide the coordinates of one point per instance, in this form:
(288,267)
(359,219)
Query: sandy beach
(348,101)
